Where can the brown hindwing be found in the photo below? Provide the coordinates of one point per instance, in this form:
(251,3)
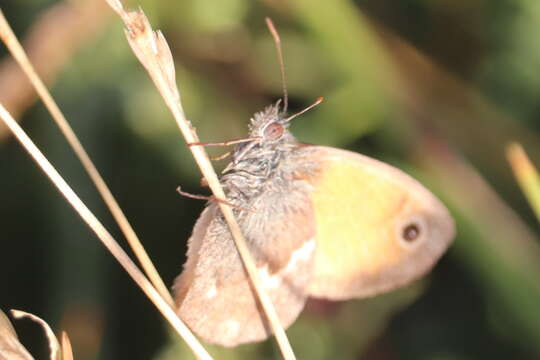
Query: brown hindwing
(213,294)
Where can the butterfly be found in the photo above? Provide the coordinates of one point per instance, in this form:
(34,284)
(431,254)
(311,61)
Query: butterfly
(319,221)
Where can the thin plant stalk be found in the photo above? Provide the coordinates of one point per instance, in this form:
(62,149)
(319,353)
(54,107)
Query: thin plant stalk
(153,52)
(526,175)
(105,237)
(67,351)
(14,46)
(54,345)
(9,342)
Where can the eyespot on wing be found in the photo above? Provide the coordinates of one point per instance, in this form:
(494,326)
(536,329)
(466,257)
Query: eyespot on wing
(377,228)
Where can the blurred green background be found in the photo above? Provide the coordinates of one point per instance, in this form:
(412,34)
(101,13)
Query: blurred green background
(437,88)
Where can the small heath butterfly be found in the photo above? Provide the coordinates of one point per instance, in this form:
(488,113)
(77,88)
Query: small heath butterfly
(319,221)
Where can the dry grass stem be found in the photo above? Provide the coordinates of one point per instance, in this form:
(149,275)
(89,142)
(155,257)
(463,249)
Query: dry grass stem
(153,52)
(526,175)
(10,346)
(9,38)
(67,351)
(54,346)
(105,237)
(57,33)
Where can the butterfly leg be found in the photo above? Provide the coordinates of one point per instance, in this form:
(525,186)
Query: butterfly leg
(225,143)
(221,157)
(209,198)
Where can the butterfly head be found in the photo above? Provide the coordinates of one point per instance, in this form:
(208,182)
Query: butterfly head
(268,132)
(270,125)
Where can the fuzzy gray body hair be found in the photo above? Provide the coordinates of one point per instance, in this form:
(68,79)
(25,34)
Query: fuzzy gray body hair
(264,166)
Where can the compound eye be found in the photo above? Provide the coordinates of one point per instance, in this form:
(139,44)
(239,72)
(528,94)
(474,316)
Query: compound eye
(273,131)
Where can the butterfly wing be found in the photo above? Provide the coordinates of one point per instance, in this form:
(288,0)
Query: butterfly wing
(377,228)
(213,294)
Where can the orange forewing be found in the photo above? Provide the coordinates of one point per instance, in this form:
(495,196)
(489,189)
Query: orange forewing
(362,207)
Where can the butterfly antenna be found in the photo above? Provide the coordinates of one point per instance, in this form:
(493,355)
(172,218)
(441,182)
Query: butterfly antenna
(277,42)
(319,100)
